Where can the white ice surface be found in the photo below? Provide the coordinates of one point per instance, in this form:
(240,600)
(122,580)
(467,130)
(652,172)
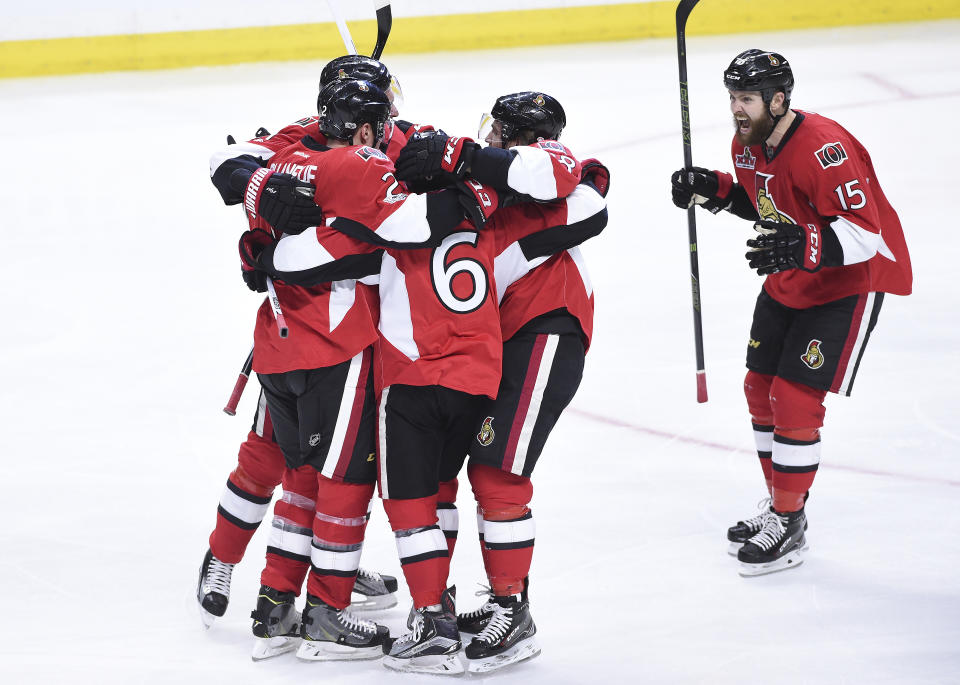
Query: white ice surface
(125,323)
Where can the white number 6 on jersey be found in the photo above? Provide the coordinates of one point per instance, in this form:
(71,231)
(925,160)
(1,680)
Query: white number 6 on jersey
(442,274)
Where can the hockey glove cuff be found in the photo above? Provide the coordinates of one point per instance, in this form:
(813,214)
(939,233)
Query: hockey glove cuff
(595,173)
(700,186)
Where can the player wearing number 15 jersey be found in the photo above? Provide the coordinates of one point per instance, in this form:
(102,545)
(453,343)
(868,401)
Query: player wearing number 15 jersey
(830,245)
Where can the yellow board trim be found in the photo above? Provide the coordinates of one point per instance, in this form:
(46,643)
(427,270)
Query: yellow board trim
(479,31)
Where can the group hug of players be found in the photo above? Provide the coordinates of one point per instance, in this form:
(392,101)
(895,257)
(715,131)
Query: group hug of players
(437,309)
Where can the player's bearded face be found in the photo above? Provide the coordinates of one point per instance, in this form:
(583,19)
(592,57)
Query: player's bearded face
(751,122)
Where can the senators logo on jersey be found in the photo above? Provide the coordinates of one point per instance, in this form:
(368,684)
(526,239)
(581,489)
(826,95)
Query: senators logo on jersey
(486,435)
(766,206)
(831,154)
(812,357)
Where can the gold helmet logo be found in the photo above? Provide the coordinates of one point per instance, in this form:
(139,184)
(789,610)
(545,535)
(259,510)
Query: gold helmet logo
(774,62)
(812,357)
(539,101)
(341,74)
(486,435)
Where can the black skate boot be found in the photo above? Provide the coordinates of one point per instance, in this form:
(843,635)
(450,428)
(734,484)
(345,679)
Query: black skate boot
(213,588)
(776,547)
(276,624)
(473,622)
(507,637)
(433,644)
(744,530)
(375,591)
(331,634)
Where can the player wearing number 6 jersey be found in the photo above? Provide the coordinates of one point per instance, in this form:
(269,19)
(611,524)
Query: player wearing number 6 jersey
(830,246)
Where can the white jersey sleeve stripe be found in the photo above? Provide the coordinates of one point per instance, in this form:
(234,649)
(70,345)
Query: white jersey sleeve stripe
(531,173)
(300,252)
(858,244)
(232,151)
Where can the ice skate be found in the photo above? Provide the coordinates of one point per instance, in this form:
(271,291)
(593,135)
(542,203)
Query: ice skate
(508,637)
(331,634)
(744,530)
(433,644)
(373,591)
(213,588)
(472,622)
(276,624)
(778,545)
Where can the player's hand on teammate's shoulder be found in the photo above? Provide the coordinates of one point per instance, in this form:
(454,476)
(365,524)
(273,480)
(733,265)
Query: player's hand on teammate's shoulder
(282,200)
(431,154)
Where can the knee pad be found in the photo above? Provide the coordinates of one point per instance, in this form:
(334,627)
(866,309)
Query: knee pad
(448,491)
(756,387)
(343,500)
(796,406)
(499,492)
(260,465)
(411,513)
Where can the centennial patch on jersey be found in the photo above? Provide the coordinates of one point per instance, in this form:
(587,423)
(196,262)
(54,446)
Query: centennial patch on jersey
(812,357)
(551,145)
(486,435)
(746,160)
(831,154)
(366,153)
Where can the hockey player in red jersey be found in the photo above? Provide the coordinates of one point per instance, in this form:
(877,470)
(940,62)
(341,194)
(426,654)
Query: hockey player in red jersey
(830,246)
(546,322)
(260,467)
(440,355)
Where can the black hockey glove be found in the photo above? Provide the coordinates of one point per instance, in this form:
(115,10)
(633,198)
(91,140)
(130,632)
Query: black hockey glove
(784,246)
(252,244)
(434,154)
(281,200)
(697,185)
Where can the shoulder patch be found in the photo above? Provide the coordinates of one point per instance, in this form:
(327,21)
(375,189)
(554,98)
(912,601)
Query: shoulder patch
(551,145)
(831,154)
(365,153)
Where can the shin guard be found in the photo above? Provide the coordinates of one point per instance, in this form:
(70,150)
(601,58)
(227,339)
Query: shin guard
(798,416)
(421,546)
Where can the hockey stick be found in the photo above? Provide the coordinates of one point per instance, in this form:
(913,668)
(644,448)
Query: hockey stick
(277,312)
(384,24)
(342,27)
(683,11)
(231,408)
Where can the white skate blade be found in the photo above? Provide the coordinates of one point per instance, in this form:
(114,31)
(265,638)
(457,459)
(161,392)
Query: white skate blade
(527,649)
(319,650)
(206,618)
(787,561)
(360,602)
(267,647)
(733,548)
(436,664)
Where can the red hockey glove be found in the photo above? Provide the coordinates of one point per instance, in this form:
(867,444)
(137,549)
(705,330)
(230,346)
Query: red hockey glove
(597,174)
(279,199)
(478,201)
(252,243)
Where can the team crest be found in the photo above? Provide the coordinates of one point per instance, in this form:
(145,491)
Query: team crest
(538,101)
(746,160)
(486,435)
(766,206)
(812,357)
(774,62)
(341,74)
(831,154)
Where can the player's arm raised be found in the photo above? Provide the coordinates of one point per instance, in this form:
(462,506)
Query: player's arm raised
(712,190)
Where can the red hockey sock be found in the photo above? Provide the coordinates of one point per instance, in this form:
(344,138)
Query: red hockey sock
(288,549)
(756,388)
(246,497)
(798,415)
(421,546)
(509,530)
(338,530)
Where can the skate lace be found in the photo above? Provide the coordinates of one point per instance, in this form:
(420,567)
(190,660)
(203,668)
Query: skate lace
(484,591)
(770,534)
(498,625)
(757,521)
(217,578)
(356,623)
(369,575)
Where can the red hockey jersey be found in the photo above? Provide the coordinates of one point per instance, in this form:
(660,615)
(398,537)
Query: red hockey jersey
(820,175)
(439,320)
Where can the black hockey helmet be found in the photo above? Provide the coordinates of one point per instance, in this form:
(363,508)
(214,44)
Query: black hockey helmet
(536,114)
(356,67)
(767,72)
(345,105)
